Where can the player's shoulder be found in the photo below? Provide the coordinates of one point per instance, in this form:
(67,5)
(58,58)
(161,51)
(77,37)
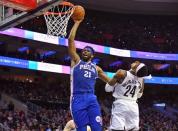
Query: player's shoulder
(141,80)
(98,68)
(121,73)
(74,64)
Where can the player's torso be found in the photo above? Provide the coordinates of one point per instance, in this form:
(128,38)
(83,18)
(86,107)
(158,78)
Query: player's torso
(129,88)
(83,77)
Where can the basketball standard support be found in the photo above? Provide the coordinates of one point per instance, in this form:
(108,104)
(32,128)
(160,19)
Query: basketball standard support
(1,12)
(24,16)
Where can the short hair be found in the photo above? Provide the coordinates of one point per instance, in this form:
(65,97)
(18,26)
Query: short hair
(92,50)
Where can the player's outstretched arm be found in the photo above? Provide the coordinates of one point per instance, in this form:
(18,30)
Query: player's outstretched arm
(118,77)
(141,90)
(71,43)
(120,74)
(105,78)
(102,75)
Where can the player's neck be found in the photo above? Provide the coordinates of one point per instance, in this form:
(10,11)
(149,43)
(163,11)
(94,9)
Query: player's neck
(87,61)
(132,72)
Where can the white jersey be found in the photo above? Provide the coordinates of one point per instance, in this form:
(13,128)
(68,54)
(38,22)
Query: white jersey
(129,88)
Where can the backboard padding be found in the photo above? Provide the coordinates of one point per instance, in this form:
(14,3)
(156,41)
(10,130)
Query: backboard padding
(21,17)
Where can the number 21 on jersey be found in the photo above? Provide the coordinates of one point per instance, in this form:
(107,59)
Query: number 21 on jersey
(87,74)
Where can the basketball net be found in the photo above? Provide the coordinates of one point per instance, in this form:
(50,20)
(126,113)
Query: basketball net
(57,19)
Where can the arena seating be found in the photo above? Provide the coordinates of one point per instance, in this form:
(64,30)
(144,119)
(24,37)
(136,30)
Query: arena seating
(134,32)
(55,117)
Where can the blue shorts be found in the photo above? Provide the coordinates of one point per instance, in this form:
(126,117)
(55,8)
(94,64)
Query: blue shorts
(86,111)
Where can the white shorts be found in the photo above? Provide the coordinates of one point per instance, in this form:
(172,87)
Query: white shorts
(124,115)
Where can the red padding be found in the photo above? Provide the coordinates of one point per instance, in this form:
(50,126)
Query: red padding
(23,5)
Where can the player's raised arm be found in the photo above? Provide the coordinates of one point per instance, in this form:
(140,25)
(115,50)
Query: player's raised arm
(71,43)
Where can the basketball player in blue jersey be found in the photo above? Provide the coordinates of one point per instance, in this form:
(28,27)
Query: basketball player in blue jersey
(85,109)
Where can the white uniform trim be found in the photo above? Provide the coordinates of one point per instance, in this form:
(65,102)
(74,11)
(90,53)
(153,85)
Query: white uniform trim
(95,69)
(71,86)
(71,77)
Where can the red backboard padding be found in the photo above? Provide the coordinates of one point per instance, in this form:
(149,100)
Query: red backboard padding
(23,5)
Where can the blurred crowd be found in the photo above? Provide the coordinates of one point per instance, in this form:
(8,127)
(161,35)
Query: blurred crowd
(51,105)
(30,54)
(123,63)
(55,117)
(43,120)
(36,91)
(156,121)
(134,32)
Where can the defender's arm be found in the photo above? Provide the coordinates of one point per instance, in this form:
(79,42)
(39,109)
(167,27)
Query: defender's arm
(118,78)
(102,75)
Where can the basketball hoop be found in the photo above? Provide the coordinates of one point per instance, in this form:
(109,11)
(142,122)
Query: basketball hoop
(57,19)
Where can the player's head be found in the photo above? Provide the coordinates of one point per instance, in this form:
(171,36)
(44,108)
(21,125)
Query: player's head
(134,65)
(139,68)
(87,53)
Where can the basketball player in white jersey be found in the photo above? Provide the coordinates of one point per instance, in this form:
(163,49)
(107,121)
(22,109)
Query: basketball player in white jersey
(70,126)
(127,87)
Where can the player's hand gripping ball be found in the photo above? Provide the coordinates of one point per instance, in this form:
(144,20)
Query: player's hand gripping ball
(79,13)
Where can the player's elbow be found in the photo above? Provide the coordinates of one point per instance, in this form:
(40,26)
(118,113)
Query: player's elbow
(139,95)
(111,83)
(70,52)
(108,88)
(70,41)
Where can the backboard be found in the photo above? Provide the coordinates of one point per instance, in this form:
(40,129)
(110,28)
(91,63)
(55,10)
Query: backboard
(14,12)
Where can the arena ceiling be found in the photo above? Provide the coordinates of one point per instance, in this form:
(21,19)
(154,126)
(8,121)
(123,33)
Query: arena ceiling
(168,7)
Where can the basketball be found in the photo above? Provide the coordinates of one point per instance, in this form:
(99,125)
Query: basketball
(79,13)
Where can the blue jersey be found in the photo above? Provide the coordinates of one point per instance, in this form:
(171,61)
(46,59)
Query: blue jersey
(83,78)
